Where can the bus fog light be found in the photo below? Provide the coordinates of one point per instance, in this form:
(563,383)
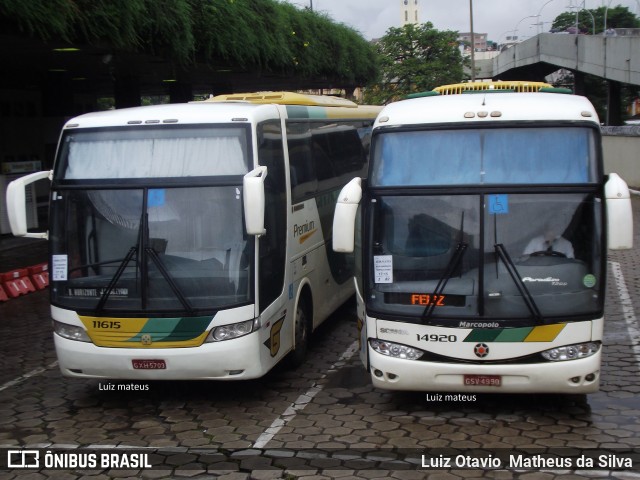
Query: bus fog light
(590,377)
(395,350)
(234,330)
(71,332)
(571,352)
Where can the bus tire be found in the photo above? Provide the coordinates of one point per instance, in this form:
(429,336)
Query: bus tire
(302,332)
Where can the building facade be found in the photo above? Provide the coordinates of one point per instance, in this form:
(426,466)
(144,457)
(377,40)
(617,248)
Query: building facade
(409,12)
(479,39)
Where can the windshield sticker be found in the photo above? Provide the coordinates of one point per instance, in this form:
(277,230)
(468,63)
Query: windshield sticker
(59,264)
(383,268)
(589,280)
(97,292)
(498,204)
(156,197)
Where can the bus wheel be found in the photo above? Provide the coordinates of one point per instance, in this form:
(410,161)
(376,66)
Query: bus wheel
(302,326)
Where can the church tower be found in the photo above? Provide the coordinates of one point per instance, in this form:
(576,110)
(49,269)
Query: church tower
(409,12)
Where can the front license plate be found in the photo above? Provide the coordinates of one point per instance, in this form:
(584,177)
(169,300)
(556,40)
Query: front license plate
(483,380)
(149,364)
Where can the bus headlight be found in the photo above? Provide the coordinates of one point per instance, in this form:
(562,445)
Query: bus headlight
(71,332)
(571,352)
(234,330)
(395,350)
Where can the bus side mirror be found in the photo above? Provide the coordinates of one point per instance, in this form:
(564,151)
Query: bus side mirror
(254,200)
(619,213)
(17,203)
(344,217)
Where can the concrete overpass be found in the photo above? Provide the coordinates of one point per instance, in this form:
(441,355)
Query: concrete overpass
(615,59)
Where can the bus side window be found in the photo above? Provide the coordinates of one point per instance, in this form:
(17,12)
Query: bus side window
(304,182)
(274,243)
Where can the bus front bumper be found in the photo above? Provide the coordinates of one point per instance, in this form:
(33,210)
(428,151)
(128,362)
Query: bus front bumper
(572,376)
(236,359)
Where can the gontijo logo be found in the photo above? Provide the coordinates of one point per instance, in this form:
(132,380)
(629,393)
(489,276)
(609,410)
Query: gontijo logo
(305,231)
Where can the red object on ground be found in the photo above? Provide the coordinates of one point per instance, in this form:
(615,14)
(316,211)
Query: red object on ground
(17,282)
(40,275)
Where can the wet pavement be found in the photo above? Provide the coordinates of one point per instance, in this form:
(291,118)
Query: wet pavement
(323,420)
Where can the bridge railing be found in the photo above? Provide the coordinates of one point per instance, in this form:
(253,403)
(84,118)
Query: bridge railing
(612,58)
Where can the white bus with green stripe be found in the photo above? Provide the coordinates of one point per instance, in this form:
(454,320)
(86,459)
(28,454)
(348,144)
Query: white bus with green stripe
(456,289)
(193,241)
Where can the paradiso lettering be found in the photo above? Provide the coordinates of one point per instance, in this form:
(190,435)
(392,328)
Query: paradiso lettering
(553,281)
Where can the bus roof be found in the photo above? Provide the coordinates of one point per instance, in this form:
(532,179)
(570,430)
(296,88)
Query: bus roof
(515,86)
(303,105)
(503,107)
(175,113)
(285,98)
(219,112)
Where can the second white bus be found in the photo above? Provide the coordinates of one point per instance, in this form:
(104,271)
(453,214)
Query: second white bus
(456,288)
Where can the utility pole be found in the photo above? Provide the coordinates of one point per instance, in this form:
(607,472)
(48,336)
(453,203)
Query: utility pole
(473,44)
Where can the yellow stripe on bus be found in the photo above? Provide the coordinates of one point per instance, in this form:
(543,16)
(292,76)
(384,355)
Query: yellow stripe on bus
(545,333)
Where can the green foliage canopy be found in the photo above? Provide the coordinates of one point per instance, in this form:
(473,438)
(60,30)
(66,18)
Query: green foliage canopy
(415,58)
(590,19)
(261,35)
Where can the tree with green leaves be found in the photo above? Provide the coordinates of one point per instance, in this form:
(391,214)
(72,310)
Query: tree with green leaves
(252,35)
(590,19)
(414,58)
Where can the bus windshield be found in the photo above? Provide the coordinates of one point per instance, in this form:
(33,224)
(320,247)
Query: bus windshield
(473,156)
(525,258)
(152,241)
(501,245)
(152,152)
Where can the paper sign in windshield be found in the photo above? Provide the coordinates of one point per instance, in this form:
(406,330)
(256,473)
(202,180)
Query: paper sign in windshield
(383,268)
(59,264)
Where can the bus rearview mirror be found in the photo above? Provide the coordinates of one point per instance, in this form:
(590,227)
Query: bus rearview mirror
(619,213)
(17,204)
(344,218)
(254,200)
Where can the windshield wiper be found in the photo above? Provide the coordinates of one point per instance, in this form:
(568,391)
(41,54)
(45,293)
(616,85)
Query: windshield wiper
(452,266)
(114,280)
(529,301)
(163,271)
(167,276)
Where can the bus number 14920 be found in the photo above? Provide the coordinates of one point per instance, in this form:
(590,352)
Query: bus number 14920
(433,337)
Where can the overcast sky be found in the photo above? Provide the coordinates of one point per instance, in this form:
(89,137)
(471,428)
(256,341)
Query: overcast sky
(497,18)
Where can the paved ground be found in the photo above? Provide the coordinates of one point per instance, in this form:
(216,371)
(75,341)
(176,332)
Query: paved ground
(323,420)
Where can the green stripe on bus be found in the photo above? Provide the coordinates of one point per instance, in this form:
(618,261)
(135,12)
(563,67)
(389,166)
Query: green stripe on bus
(300,111)
(173,329)
(513,334)
(542,333)
(482,335)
